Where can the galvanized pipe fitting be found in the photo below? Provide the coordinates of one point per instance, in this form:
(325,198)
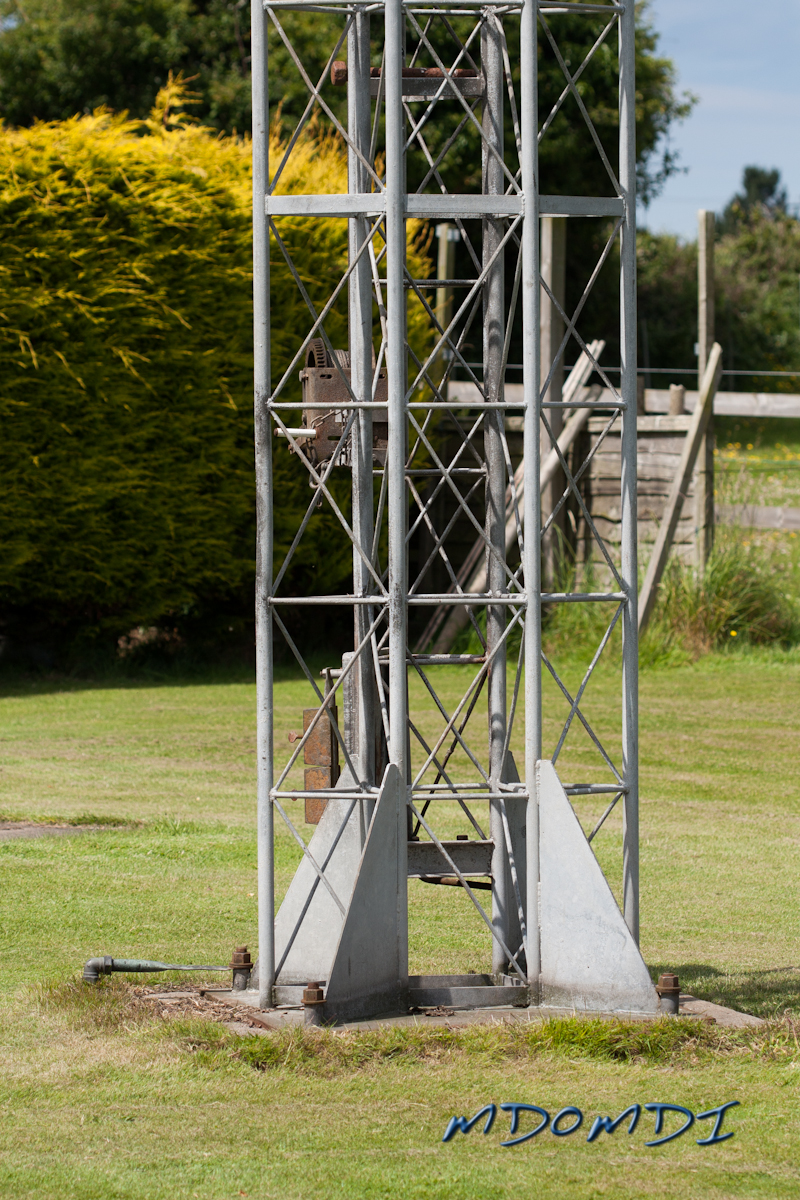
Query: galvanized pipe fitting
(313,1002)
(241,965)
(669,994)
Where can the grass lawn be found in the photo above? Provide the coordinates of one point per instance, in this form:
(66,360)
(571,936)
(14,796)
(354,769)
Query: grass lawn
(758,464)
(102,1100)
(759,459)
(93,1109)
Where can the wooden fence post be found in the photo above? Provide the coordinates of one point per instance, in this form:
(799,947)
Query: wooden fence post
(551,325)
(448,235)
(677,399)
(680,484)
(704,487)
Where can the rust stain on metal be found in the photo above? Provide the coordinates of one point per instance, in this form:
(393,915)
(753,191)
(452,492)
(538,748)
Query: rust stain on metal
(313,993)
(321,757)
(339,73)
(321,749)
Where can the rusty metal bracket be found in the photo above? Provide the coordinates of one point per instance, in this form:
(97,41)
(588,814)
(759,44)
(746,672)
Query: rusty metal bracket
(327,403)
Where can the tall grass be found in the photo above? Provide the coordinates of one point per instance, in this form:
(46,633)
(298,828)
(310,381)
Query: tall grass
(738,598)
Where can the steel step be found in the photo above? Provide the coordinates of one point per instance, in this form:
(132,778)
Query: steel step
(464,991)
(482,996)
(471,858)
(435,991)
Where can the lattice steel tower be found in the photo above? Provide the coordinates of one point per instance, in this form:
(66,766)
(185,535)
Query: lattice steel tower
(425,765)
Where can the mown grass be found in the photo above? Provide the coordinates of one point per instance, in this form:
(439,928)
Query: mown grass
(100,1099)
(177,881)
(103,1100)
(680,1043)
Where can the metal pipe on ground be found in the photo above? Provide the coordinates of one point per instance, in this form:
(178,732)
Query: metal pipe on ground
(96,967)
(454,881)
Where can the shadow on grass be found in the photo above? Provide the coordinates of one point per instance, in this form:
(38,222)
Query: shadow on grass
(768,993)
(16,682)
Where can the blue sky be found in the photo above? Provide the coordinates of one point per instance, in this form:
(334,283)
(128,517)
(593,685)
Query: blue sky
(743,62)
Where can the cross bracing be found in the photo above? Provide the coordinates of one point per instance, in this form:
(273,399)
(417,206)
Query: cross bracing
(441,124)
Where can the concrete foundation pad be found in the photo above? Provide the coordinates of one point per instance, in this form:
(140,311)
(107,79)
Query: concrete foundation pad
(690,1006)
(284,1018)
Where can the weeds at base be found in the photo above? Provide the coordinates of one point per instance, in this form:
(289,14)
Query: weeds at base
(116,1006)
(737,602)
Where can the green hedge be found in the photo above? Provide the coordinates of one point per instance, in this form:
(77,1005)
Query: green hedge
(126,461)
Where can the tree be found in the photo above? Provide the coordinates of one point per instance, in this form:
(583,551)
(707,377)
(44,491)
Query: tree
(761,193)
(63,57)
(59,58)
(757,267)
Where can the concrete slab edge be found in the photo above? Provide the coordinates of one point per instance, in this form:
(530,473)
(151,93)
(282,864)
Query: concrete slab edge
(690,1006)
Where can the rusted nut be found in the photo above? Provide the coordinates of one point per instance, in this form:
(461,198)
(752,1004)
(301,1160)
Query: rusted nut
(313,1001)
(669,993)
(339,73)
(241,964)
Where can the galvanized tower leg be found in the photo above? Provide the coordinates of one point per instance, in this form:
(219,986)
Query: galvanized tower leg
(630,635)
(261,349)
(394,44)
(361,354)
(531,554)
(493,370)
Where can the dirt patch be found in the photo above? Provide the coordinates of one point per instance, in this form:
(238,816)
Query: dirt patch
(192,1001)
(10,830)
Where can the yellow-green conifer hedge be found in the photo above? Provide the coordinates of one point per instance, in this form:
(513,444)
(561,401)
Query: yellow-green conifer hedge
(126,461)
